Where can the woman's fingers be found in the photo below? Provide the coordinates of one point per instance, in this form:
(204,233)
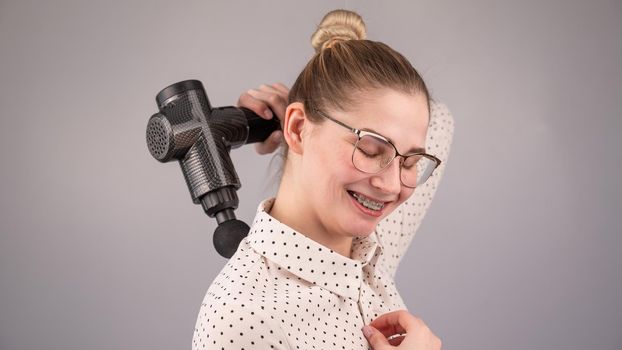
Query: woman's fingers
(394,322)
(282,88)
(274,99)
(378,341)
(397,340)
(400,330)
(259,107)
(268,101)
(270,144)
(375,338)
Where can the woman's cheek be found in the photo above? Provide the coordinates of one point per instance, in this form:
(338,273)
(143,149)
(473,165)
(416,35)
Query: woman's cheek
(405,194)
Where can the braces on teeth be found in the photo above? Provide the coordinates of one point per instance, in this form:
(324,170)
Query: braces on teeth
(367,202)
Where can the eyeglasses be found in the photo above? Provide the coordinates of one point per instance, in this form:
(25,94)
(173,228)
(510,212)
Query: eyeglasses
(373,152)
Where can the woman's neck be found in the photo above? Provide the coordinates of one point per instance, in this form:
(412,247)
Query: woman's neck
(293,212)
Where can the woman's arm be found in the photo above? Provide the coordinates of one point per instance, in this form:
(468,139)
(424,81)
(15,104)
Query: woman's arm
(397,230)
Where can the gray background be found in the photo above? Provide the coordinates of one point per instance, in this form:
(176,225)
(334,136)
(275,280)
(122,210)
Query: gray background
(101,247)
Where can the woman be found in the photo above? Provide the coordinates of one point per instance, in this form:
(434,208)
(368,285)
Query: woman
(319,261)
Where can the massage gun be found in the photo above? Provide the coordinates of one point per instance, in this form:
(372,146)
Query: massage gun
(188,129)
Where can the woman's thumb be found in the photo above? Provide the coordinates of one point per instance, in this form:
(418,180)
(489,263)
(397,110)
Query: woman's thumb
(374,337)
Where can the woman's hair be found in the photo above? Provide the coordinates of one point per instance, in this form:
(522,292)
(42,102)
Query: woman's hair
(345,64)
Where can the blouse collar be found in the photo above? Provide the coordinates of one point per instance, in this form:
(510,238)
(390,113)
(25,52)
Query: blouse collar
(307,258)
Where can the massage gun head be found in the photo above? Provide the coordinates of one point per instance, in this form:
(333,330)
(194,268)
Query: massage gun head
(228,236)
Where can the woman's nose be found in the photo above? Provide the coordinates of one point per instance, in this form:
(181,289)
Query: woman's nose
(388,180)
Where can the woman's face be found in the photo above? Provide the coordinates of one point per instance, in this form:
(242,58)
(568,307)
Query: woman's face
(332,183)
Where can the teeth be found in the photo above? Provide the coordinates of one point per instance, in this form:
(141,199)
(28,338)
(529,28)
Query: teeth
(367,203)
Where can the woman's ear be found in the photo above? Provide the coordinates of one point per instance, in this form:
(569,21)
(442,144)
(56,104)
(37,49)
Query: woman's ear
(293,126)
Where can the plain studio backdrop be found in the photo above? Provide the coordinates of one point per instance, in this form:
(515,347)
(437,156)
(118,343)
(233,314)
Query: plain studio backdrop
(102,248)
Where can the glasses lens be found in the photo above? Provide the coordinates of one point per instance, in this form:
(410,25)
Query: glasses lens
(416,169)
(373,154)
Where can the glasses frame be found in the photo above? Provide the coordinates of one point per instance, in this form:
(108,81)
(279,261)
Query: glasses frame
(360,133)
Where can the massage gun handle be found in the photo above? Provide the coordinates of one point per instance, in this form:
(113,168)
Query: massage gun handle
(259,129)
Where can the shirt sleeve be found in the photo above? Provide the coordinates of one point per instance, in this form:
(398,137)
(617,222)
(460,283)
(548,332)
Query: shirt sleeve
(397,230)
(236,326)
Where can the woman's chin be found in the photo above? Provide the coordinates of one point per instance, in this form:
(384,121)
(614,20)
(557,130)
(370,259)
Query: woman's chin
(360,229)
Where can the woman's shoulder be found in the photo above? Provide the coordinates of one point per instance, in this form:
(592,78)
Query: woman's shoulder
(233,277)
(237,324)
(248,277)
(233,309)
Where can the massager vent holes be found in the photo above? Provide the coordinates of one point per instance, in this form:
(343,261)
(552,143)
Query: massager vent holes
(157,139)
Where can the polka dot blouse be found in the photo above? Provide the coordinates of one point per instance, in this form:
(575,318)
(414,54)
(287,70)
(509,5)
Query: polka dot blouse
(282,290)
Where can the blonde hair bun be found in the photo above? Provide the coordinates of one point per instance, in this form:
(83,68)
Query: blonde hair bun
(338,25)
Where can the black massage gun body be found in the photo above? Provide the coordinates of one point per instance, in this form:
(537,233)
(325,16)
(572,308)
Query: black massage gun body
(200,137)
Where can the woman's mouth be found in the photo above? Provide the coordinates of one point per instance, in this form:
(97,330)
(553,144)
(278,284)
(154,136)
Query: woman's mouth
(367,203)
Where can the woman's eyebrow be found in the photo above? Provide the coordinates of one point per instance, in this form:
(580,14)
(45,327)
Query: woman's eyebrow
(416,150)
(412,150)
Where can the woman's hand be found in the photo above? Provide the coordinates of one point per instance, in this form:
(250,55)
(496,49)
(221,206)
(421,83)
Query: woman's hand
(418,336)
(266,101)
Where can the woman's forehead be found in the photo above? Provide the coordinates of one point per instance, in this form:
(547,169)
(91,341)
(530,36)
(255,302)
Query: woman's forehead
(400,117)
